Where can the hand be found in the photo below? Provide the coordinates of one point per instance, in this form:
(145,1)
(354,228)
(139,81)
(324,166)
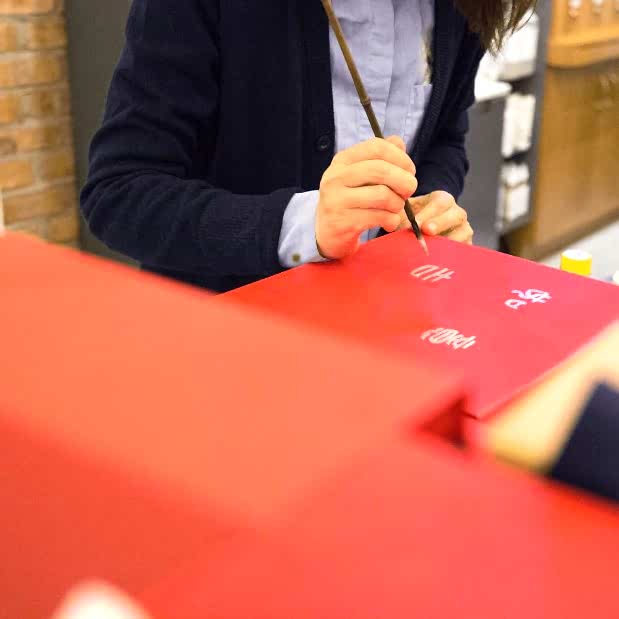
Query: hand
(365,187)
(98,599)
(438,214)
(532,431)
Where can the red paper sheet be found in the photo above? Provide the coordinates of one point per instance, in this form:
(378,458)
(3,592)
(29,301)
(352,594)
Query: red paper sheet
(501,320)
(141,422)
(414,533)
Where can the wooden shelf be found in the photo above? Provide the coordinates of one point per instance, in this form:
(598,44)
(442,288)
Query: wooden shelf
(581,50)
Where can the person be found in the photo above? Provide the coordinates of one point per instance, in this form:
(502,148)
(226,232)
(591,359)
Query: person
(567,427)
(98,600)
(233,145)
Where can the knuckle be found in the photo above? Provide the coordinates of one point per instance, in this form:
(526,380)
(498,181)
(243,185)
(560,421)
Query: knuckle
(395,140)
(332,203)
(383,195)
(376,142)
(401,183)
(378,148)
(344,202)
(391,222)
(332,176)
(341,227)
(338,159)
(396,205)
(326,181)
(377,173)
(327,209)
(444,198)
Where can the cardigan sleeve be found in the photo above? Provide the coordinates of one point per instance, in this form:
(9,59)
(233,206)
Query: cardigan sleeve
(444,164)
(590,458)
(143,197)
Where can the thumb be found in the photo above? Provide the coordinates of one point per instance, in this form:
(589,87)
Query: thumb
(397,141)
(96,600)
(420,202)
(404,223)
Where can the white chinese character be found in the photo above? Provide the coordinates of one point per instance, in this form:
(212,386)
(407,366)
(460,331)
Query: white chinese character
(449,337)
(515,304)
(430,272)
(535,296)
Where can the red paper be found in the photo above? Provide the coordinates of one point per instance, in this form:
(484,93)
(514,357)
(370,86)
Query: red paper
(414,532)
(456,312)
(142,424)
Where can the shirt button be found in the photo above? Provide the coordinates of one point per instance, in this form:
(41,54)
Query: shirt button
(323,143)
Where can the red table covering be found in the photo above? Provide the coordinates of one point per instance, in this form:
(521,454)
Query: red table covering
(420,531)
(142,424)
(502,321)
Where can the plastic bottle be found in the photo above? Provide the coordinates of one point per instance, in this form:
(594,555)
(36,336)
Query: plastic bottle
(577,261)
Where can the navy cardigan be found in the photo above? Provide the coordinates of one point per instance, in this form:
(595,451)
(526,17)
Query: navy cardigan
(220,111)
(590,458)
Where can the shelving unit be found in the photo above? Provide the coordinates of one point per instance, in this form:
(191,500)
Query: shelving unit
(518,157)
(532,85)
(484,149)
(577,187)
(483,144)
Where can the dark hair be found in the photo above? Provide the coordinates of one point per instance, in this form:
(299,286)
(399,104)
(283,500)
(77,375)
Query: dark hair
(493,20)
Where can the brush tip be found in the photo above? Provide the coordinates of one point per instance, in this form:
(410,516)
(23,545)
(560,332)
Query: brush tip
(424,245)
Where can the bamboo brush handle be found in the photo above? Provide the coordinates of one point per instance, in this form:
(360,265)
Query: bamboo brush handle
(365,100)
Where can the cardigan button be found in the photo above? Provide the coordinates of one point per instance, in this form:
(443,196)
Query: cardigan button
(323,143)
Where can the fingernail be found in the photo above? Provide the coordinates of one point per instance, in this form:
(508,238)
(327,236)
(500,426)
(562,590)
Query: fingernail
(432,228)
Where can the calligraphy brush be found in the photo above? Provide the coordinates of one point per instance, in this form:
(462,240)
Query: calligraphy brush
(366,102)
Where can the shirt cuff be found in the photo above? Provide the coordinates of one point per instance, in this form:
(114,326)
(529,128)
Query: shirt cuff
(297,241)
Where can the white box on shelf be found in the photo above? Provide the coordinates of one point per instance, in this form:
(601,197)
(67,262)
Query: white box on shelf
(515,192)
(489,90)
(518,126)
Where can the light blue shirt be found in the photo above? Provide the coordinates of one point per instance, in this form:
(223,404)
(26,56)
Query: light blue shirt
(391,43)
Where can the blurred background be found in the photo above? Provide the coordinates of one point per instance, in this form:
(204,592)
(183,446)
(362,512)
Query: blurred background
(544,145)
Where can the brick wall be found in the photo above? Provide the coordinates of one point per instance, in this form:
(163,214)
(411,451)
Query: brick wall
(36,153)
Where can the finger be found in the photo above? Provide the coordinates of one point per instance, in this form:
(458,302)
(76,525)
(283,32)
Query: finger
(358,221)
(378,197)
(98,600)
(440,213)
(419,203)
(375,172)
(433,206)
(405,224)
(376,149)
(396,140)
(462,234)
(448,220)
